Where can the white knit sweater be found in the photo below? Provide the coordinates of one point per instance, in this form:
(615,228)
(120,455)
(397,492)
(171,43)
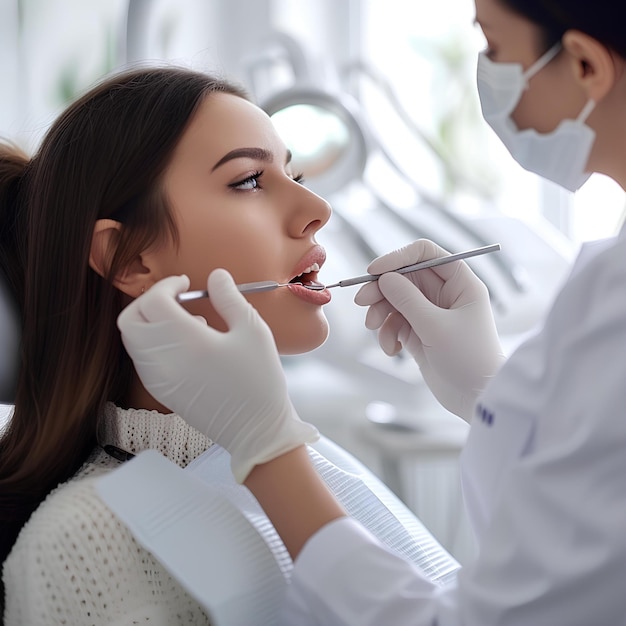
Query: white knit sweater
(75,563)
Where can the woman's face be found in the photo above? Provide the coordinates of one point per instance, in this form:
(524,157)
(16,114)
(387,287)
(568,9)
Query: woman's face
(552,94)
(238,205)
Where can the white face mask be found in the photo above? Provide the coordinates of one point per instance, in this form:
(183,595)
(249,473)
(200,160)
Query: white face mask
(561,155)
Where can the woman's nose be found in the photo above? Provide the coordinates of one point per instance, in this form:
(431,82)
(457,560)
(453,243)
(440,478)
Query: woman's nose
(310,213)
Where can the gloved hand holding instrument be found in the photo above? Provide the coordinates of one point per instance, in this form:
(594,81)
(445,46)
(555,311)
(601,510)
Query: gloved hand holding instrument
(442,316)
(230,386)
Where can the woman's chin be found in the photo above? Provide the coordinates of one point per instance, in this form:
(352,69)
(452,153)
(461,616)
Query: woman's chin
(303,341)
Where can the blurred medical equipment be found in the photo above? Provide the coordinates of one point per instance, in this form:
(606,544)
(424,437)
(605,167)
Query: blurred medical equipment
(270,285)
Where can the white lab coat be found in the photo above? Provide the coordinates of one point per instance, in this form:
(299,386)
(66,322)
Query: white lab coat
(544,478)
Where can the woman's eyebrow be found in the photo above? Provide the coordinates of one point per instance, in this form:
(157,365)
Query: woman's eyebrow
(259,154)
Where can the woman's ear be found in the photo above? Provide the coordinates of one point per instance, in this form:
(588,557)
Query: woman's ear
(134,278)
(594,65)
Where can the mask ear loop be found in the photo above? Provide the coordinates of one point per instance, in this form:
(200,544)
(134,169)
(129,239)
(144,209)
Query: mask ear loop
(586,112)
(541,62)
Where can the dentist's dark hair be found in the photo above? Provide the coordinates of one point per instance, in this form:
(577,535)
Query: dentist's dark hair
(601,19)
(104,157)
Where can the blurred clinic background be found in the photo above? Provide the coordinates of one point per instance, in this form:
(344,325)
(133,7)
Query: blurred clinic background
(377,100)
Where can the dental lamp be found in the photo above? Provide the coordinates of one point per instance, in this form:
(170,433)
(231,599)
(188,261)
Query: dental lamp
(325,135)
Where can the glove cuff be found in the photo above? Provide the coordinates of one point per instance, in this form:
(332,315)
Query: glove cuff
(291,435)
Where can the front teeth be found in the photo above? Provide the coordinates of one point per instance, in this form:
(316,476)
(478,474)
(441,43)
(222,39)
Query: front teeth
(312,268)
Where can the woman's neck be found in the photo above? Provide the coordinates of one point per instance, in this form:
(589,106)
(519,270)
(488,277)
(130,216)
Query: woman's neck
(139,398)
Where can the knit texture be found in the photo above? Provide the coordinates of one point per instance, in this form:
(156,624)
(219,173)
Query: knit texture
(75,563)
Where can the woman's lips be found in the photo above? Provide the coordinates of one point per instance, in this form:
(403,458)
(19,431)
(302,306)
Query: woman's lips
(315,256)
(314,297)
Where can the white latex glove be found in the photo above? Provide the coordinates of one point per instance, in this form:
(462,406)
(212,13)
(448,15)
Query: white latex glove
(230,386)
(442,316)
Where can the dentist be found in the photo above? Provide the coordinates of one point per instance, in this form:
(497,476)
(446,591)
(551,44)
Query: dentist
(544,467)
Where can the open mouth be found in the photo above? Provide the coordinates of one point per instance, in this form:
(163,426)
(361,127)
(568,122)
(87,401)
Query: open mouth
(308,278)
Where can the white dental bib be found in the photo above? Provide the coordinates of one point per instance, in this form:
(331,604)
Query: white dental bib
(195,518)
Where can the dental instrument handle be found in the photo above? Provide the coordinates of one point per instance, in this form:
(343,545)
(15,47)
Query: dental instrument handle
(422,265)
(269,285)
(263,285)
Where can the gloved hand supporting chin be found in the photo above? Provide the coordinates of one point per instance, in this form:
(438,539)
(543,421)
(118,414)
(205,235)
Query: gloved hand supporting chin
(442,316)
(230,386)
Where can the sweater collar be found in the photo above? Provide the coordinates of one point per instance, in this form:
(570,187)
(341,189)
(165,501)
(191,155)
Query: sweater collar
(135,430)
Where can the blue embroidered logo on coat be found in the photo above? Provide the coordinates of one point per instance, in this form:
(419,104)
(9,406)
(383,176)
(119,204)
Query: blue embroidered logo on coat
(484,414)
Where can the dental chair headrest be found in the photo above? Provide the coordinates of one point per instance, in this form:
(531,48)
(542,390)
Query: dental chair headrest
(10,330)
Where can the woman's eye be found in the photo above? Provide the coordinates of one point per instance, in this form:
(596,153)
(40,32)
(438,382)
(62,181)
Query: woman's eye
(299,178)
(248,183)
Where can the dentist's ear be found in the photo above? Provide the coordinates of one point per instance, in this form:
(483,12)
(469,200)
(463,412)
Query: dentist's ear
(595,67)
(135,277)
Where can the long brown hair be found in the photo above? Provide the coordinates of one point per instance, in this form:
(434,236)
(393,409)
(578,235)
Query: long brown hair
(103,158)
